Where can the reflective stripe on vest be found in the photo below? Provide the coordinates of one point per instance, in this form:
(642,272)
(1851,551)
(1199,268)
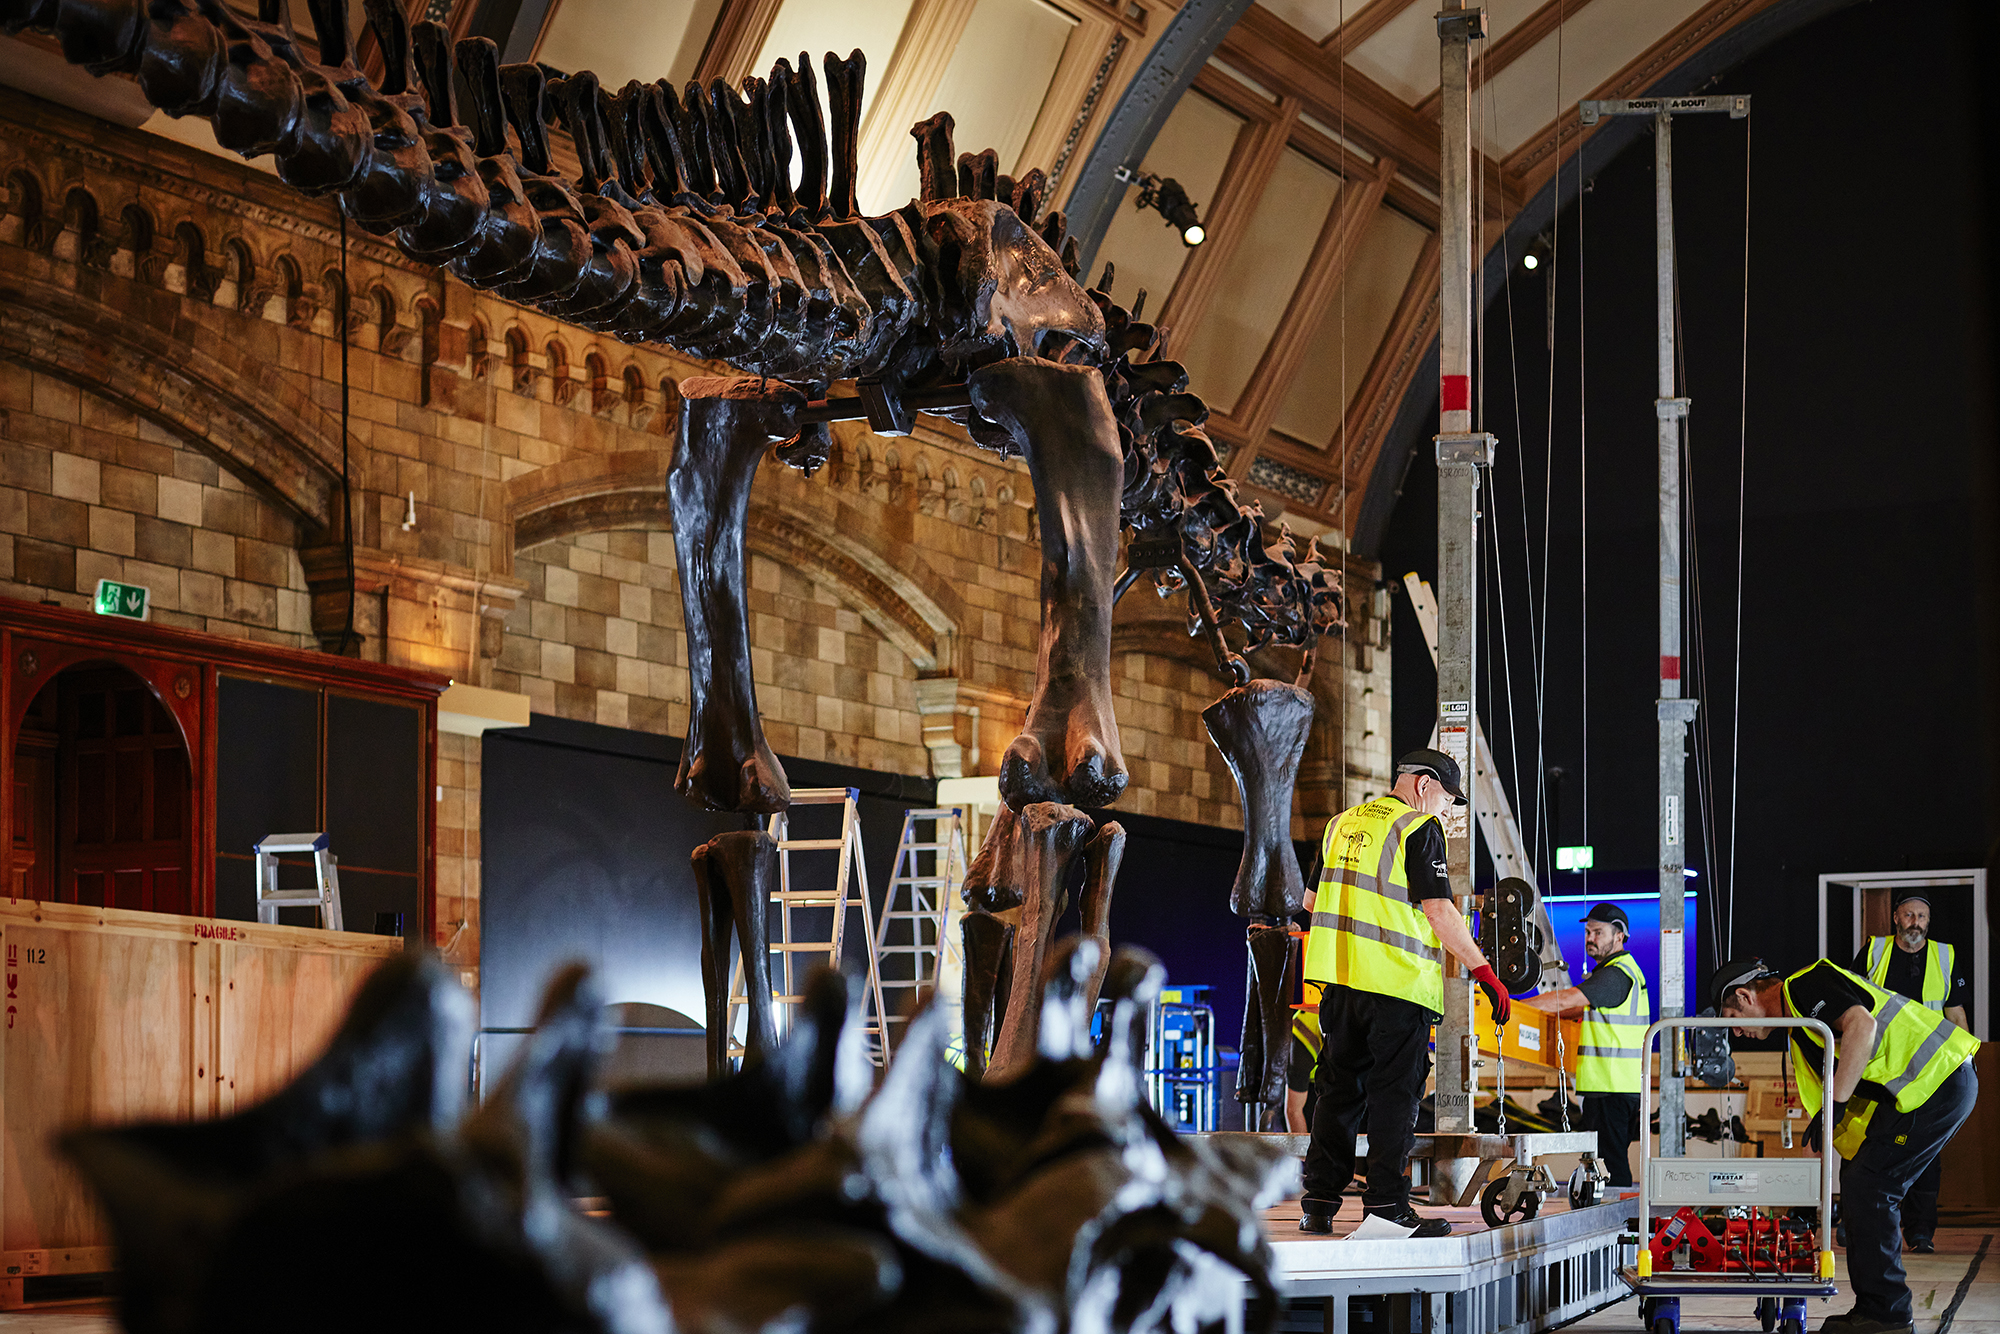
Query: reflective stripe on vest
(1610,1044)
(1938,961)
(1305,1023)
(1366,933)
(1914,1051)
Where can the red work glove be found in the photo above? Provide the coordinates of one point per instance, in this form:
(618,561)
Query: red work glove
(1489,982)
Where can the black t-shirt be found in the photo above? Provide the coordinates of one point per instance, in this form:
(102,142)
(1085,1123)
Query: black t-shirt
(1906,974)
(1825,993)
(1424,863)
(1606,988)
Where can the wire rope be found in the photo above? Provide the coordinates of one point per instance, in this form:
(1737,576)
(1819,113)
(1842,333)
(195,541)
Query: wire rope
(1583,505)
(1549,442)
(1742,477)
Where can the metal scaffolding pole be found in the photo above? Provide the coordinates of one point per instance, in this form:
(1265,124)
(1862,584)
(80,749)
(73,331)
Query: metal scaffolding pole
(1674,712)
(1461,455)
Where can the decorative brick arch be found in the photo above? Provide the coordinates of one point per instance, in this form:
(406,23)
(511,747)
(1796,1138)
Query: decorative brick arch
(887,583)
(250,417)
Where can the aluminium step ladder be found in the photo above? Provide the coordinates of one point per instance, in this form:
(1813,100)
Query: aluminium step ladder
(848,895)
(916,914)
(325,893)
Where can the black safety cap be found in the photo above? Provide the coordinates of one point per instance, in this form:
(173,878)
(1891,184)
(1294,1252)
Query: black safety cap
(1611,915)
(1438,765)
(1736,973)
(1912,896)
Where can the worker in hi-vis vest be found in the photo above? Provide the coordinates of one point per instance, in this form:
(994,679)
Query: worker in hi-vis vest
(1611,1045)
(1299,1071)
(1382,918)
(1912,964)
(1902,1086)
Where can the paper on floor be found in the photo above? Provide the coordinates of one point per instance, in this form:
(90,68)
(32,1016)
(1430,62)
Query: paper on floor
(1374,1227)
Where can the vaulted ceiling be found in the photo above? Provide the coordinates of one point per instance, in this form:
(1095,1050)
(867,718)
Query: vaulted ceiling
(1310,141)
(1308,321)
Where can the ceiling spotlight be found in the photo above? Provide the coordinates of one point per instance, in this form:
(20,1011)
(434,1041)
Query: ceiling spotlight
(1531,260)
(1171,199)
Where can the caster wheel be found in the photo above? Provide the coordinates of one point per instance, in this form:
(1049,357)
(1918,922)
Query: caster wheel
(1494,1208)
(1584,1190)
(1791,1326)
(1666,1325)
(1767,1313)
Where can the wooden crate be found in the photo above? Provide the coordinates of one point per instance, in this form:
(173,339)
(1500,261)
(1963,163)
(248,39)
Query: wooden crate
(113,1016)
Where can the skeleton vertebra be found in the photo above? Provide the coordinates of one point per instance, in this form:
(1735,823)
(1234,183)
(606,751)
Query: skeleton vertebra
(683,229)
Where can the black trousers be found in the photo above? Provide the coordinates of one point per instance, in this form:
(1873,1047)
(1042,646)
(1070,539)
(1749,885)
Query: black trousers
(1900,1148)
(1615,1118)
(1371,1069)
(1920,1205)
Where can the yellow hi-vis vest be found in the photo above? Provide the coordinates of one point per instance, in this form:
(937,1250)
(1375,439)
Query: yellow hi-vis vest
(1915,1051)
(1938,959)
(1305,1023)
(1610,1046)
(1366,933)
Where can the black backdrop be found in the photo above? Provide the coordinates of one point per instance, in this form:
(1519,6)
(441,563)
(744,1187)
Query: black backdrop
(1868,665)
(586,856)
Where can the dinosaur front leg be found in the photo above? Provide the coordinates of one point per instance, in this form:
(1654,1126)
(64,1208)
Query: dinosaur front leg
(734,875)
(1046,837)
(1060,419)
(1267,1020)
(992,902)
(726,428)
(1261,730)
(1101,858)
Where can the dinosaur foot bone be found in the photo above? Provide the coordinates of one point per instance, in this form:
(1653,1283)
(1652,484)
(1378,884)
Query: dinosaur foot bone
(726,428)
(1261,730)
(1059,418)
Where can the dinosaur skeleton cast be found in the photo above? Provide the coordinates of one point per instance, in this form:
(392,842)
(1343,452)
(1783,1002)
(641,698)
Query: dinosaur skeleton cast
(683,228)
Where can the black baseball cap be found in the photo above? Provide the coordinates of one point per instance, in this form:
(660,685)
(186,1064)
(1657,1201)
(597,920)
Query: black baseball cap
(1913,896)
(1736,973)
(1438,765)
(1611,915)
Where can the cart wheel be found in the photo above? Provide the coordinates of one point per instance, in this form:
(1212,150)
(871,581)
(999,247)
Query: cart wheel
(1666,1325)
(1493,1205)
(1584,1189)
(1792,1326)
(1767,1313)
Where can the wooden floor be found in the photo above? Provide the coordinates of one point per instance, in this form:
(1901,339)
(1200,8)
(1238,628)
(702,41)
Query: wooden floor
(1938,1281)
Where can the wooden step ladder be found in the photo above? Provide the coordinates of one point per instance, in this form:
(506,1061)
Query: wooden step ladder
(848,895)
(923,888)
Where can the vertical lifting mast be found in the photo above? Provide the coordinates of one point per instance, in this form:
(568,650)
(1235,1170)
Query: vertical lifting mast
(1675,712)
(1462,455)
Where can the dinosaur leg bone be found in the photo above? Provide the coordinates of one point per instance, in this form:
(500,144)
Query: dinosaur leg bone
(735,874)
(1261,730)
(1046,837)
(726,428)
(1101,858)
(1267,1019)
(1061,421)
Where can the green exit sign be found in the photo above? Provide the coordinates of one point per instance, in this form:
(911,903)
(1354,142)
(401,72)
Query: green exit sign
(128,600)
(1580,858)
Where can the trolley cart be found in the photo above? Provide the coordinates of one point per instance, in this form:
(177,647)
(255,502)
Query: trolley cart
(1766,1259)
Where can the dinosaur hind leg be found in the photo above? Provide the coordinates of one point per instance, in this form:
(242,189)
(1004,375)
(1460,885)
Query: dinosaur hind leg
(726,428)
(1061,420)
